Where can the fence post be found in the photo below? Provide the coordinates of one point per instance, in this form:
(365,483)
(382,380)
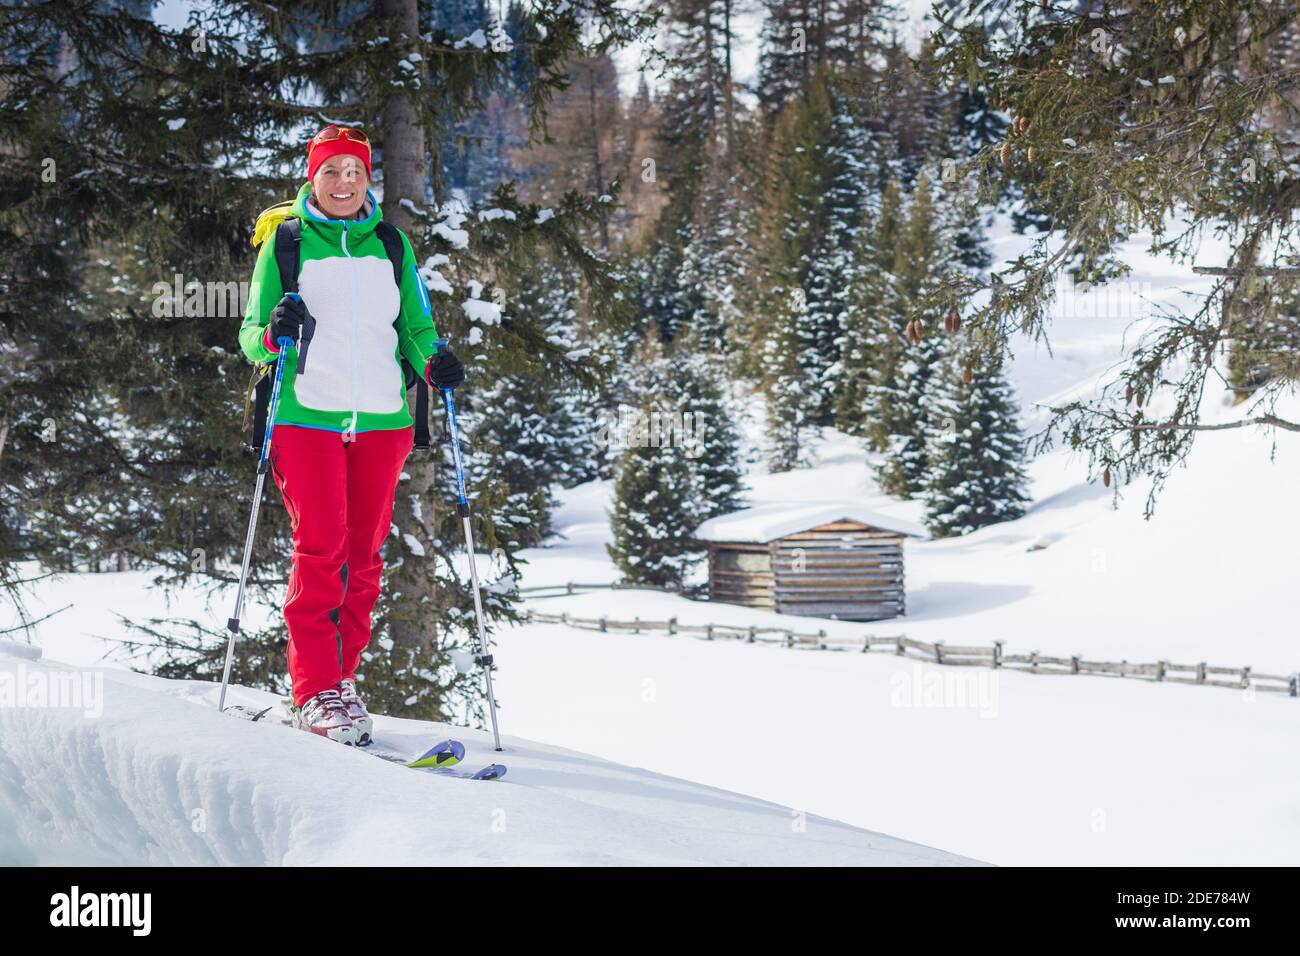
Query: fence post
(636,625)
(997,654)
(1200,673)
(1294,685)
(866,644)
(938,652)
(1033,661)
(564,617)
(569,587)
(1074,663)
(672,625)
(900,645)
(821,638)
(1161,666)
(749,638)
(604,623)
(1245,677)
(528,615)
(708,632)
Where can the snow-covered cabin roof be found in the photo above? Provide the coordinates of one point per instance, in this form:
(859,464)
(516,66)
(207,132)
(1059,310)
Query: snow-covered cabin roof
(764,523)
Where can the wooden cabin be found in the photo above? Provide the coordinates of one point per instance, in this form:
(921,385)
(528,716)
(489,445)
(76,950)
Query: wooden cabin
(833,560)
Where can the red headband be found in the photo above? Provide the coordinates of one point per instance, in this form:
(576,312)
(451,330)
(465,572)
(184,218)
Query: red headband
(323,146)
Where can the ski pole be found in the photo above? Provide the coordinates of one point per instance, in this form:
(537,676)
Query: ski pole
(263,464)
(484,659)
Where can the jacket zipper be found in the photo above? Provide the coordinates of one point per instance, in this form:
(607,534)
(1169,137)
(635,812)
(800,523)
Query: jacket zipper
(356,372)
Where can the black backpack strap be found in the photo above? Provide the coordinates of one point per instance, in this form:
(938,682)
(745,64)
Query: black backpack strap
(288,235)
(421,413)
(261,399)
(393,248)
(396,252)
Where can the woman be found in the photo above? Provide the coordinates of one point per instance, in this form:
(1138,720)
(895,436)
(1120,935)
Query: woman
(342,429)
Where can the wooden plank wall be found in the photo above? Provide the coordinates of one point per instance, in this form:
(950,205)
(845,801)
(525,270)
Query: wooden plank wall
(747,588)
(845,570)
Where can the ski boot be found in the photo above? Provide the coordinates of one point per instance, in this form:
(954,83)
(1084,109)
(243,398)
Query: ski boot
(326,714)
(361,719)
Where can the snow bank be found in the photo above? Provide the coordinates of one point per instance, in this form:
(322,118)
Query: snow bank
(160,777)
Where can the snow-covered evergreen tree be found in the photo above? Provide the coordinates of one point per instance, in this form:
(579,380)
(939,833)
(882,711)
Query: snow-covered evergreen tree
(840,155)
(699,378)
(513,445)
(871,324)
(922,252)
(653,515)
(784,382)
(812,215)
(975,451)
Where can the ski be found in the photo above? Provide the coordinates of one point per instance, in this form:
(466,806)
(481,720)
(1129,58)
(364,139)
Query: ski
(251,713)
(441,758)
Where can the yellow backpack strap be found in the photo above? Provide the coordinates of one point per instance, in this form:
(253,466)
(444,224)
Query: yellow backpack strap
(270,218)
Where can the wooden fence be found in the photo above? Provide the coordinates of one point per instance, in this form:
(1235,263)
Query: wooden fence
(941,653)
(572,587)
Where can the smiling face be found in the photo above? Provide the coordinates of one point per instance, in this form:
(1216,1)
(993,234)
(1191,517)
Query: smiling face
(339,188)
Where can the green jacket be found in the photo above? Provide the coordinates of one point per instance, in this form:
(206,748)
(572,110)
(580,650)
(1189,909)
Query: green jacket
(365,324)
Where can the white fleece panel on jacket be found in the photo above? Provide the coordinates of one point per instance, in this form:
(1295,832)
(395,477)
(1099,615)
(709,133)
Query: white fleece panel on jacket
(355,303)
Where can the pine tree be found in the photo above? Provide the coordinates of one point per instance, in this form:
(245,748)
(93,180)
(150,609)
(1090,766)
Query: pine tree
(787,391)
(1266,343)
(789,226)
(975,451)
(688,278)
(841,154)
(872,342)
(654,514)
(922,253)
(713,449)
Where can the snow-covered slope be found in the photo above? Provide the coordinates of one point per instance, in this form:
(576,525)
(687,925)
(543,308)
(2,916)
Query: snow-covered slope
(145,771)
(998,766)
(1007,767)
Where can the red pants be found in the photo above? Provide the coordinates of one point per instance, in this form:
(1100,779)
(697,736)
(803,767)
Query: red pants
(339,496)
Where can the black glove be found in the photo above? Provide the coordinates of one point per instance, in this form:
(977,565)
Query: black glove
(445,370)
(287,318)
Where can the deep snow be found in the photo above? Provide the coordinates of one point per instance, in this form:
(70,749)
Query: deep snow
(998,766)
(146,771)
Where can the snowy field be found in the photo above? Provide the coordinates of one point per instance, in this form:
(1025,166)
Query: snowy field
(146,771)
(1001,767)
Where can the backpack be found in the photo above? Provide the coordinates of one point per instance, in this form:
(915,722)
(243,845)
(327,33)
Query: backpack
(288,233)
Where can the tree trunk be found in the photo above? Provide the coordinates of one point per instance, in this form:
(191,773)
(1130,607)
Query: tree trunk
(402,137)
(597,168)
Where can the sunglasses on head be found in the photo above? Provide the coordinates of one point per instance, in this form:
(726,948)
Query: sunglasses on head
(331,132)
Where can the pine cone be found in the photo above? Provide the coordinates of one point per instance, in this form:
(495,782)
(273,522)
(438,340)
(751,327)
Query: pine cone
(1128,394)
(1105,477)
(967,376)
(1004,153)
(952,322)
(1032,153)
